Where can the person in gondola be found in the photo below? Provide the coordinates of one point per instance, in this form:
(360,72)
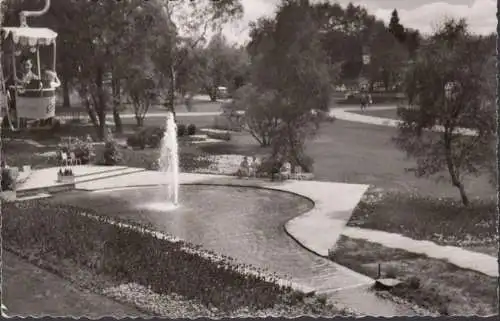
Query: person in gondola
(27,77)
(50,80)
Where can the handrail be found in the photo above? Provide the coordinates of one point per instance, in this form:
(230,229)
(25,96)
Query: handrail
(24,14)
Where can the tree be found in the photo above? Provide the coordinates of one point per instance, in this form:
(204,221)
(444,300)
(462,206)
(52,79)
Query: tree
(451,89)
(387,57)
(96,40)
(252,111)
(292,40)
(188,23)
(397,28)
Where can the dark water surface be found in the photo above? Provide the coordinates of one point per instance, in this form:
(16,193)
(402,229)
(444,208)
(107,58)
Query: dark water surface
(244,223)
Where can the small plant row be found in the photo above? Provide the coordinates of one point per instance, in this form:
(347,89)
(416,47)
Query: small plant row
(65,172)
(131,256)
(152,136)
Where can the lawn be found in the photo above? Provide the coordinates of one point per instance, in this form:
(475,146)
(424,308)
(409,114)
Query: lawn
(384,113)
(364,154)
(443,221)
(430,283)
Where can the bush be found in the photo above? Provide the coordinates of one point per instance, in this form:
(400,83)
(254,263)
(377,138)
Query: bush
(8,180)
(136,141)
(181,130)
(111,154)
(191,130)
(150,136)
(60,232)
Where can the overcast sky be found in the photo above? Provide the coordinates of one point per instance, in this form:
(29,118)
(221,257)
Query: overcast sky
(418,14)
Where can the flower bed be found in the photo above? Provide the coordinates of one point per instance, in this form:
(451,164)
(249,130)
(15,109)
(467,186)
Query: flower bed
(441,220)
(60,233)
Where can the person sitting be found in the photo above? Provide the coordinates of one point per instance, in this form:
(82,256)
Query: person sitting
(244,170)
(254,166)
(50,80)
(286,170)
(27,74)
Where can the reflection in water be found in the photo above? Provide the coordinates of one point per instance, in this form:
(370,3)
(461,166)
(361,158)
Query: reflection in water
(244,223)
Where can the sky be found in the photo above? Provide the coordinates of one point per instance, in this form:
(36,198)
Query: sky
(423,15)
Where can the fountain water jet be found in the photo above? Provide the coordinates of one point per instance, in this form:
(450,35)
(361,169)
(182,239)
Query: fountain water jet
(169,161)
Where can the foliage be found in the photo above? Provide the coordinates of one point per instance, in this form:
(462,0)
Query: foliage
(65,172)
(258,119)
(111,153)
(397,28)
(469,103)
(8,179)
(84,150)
(146,137)
(191,129)
(188,23)
(292,39)
(221,64)
(141,85)
(387,58)
(133,256)
(181,130)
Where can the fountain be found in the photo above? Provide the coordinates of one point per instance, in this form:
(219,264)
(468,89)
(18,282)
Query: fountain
(169,161)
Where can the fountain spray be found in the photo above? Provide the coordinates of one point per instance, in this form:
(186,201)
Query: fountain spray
(169,160)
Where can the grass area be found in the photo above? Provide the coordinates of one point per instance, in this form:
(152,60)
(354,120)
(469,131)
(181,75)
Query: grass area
(430,283)
(384,113)
(444,221)
(62,236)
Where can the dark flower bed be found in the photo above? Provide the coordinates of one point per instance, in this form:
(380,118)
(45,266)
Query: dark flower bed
(62,233)
(442,220)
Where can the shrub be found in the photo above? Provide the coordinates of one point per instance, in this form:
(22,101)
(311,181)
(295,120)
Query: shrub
(191,130)
(181,130)
(61,232)
(136,141)
(83,150)
(111,154)
(8,180)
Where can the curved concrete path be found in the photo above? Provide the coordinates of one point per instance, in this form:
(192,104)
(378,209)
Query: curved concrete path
(344,113)
(334,205)
(462,258)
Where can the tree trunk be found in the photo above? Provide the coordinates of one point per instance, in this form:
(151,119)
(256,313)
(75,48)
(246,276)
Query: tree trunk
(91,112)
(66,96)
(455,178)
(116,91)
(101,105)
(139,121)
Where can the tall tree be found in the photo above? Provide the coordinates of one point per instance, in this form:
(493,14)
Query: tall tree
(396,27)
(387,58)
(451,89)
(292,41)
